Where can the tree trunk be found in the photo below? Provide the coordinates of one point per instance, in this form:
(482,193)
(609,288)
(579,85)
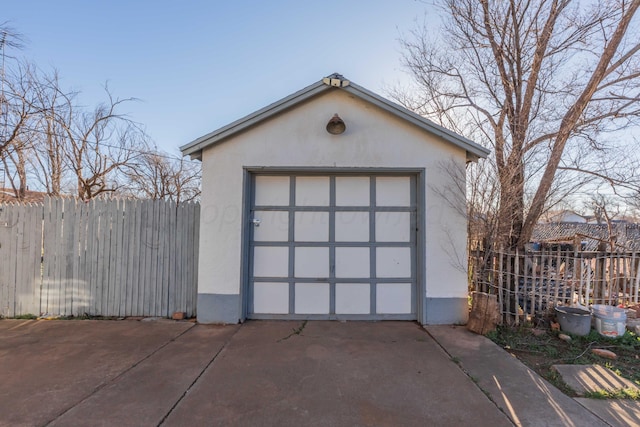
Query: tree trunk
(511,208)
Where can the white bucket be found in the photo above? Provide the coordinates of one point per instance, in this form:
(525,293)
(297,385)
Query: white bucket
(610,321)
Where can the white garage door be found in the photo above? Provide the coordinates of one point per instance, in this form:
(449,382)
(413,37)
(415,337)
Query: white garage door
(333,247)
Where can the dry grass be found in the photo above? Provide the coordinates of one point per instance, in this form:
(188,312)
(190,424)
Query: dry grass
(541,349)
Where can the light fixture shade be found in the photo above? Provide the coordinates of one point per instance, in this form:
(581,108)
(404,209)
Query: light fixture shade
(336,125)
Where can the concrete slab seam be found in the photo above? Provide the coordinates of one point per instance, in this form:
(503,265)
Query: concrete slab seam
(117,377)
(464,371)
(593,412)
(215,356)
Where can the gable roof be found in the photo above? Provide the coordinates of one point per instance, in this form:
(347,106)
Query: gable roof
(333,82)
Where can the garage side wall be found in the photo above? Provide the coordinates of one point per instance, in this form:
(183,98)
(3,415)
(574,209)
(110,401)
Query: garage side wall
(297,139)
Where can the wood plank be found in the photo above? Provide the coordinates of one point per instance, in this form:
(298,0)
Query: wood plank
(513,287)
(636,264)
(173,283)
(163,308)
(142,285)
(183,254)
(155,292)
(194,257)
(136,306)
(110,258)
(91,257)
(35,258)
(534,278)
(48,256)
(78,287)
(145,272)
(20,259)
(187,241)
(84,260)
(69,245)
(8,295)
(22,254)
(168,257)
(5,256)
(56,252)
(121,278)
(46,265)
(103,258)
(125,281)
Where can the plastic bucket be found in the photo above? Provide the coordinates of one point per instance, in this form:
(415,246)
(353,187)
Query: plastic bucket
(610,321)
(574,320)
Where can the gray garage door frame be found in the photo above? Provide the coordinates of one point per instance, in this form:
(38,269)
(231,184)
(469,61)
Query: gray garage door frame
(418,239)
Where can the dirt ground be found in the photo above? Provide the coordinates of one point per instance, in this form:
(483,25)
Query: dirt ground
(540,349)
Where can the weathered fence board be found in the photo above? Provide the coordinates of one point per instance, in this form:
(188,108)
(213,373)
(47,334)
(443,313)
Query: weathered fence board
(20,240)
(533,282)
(101,258)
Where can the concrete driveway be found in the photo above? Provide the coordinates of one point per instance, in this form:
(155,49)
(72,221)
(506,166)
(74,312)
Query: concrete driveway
(141,373)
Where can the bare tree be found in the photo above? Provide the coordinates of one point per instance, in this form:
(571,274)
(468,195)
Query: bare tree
(540,82)
(19,108)
(49,147)
(99,146)
(14,110)
(45,136)
(158,175)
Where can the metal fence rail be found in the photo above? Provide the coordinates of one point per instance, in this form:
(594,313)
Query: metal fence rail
(101,258)
(531,283)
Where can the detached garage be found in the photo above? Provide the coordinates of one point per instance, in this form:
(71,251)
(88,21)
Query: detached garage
(328,204)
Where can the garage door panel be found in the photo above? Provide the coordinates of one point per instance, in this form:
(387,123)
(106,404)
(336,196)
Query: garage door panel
(271,298)
(270,261)
(312,298)
(352,262)
(274,226)
(393,262)
(393,298)
(393,191)
(312,191)
(393,226)
(311,226)
(312,262)
(272,190)
(352,226)
(353,298)
(353,191)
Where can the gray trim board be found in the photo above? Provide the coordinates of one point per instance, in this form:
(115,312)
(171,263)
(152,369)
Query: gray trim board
(194,149)
(246,234)
(350,317)
(446,311)
(421,245)
(218,308)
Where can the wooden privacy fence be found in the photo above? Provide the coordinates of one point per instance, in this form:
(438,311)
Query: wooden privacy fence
(531,283)
(101,258)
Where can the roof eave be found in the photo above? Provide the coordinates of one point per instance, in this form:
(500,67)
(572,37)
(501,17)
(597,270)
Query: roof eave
(194,148)
(474,151)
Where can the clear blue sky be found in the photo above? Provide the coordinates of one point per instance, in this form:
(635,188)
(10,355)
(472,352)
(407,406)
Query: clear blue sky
(199,65)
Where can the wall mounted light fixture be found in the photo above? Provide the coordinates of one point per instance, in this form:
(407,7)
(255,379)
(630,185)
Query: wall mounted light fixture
(336,125)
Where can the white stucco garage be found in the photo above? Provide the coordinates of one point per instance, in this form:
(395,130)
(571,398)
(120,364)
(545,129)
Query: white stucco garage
(305,215)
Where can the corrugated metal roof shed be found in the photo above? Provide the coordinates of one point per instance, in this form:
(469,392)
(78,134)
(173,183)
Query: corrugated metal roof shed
(591,235)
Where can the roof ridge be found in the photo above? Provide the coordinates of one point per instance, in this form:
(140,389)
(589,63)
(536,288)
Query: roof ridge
(334,81)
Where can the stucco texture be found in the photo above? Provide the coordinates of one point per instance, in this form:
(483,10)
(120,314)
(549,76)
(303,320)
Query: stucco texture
(297,139)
